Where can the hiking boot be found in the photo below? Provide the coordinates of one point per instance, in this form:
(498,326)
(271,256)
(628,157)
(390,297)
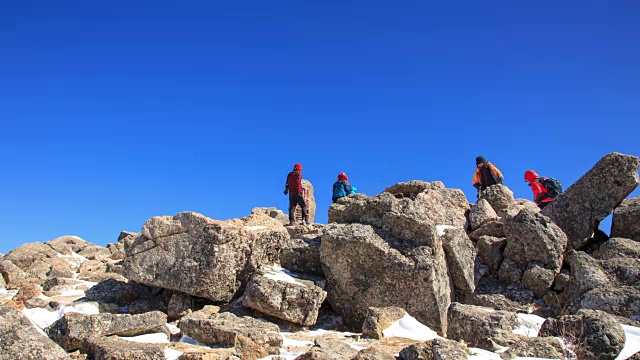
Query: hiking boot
(305,222)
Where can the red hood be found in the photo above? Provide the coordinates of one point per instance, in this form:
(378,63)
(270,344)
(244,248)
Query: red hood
(531,175)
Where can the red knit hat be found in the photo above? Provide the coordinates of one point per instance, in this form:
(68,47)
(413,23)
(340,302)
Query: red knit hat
(342,176)
(297,166)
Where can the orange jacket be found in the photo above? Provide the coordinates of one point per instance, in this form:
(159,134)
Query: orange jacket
(494,170)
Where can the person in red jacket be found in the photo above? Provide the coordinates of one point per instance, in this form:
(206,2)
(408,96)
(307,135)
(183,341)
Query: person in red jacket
(293,187)
(540,193)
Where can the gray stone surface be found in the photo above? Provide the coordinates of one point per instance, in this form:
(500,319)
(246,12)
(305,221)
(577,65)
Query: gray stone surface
(179,305)
(579,210)
(433,201)
(510,271)
(616,248)
(499,197)
(595,334)
(532,237)
(379,319)
(301,253)
(480,327)
(436,349)
(310,199)
(65,245)
(74,328)
(626,219)
(272,212)
(460,256)
(112,348)
(328,350)
(502,295)
(203,257)
(490,250)
(297,302)
(364,269)
(373,353)
(224,329)
(26,254)
(13,276)
(609,285)
(95,252)
(492,228)
(481,213)
(21,340)
(538,279)
(546,347)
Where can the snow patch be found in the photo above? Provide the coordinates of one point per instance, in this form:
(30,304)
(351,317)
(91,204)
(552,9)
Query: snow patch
(410,328)
(283,354)
(171,354)
(155,338)
(254,228)
(481,354)
(43,318)
(529,325)
(631,343)
(277,273)
(292,342)
(442,228)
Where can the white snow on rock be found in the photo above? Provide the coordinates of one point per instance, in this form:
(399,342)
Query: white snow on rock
(410,328)
(171,354)
(442,228)
(43,318)
(292,342)
(75,259)
(632,342)
(529,325)
(254,228)
(481,354)
(155,338)
(277,273)
(284,354)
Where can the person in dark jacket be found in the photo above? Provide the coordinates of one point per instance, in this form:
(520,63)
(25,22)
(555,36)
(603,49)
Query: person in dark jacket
(486,174)
(293,187)
(341,187)
(540,193)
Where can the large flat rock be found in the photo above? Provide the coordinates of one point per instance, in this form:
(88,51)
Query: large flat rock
(203,257)
(579,210)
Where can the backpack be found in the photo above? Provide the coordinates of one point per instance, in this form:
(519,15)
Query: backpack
(553,186)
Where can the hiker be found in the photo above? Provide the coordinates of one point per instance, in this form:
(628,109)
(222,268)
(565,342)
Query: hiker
(486,174)
(293,187)
(544,189)
(341,187)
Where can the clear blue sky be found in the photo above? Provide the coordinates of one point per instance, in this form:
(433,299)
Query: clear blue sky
(117,111)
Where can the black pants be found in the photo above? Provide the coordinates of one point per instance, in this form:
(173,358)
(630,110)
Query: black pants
(543,204)
(294,200)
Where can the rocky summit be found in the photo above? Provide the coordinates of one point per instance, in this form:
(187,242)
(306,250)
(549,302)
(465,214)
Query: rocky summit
(415,272)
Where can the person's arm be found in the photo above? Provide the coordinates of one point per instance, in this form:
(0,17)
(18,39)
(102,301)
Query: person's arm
(497,173)
(286,186)
(476,180)
(537,190)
